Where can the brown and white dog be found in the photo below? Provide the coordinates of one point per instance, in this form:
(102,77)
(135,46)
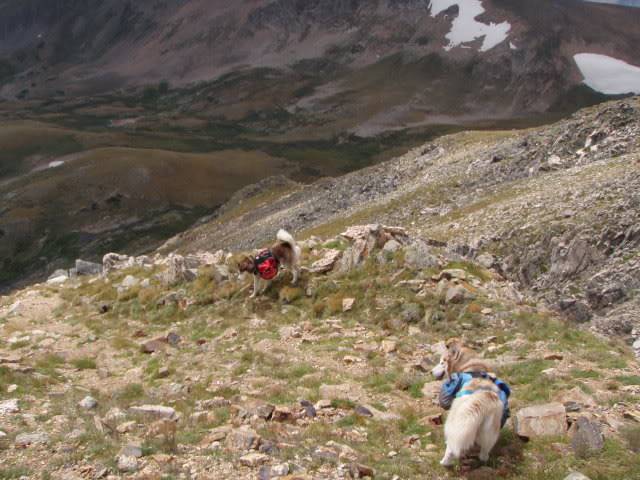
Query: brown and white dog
(476,414)
(285,252)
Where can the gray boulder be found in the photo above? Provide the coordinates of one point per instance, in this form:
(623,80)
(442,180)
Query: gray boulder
(114,261)
(411,313)
(177,271)
(458,294)
(418,255)
(88,403)
(587,438)
(87,268)
(25,439)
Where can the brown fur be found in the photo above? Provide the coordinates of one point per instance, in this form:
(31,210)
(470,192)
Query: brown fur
(461,359)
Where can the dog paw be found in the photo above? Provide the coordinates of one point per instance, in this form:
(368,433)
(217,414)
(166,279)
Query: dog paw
(445,462)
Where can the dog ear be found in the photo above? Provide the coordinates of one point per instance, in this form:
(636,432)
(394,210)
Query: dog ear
(244,264)
(454,346)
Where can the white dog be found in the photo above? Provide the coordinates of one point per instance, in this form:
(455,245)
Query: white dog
(477,399)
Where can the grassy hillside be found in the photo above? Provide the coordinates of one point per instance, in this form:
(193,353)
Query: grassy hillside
(230,360)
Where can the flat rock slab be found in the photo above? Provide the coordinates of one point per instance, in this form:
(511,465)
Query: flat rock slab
(25,439)
(254,459)
(541,420)
(155,410)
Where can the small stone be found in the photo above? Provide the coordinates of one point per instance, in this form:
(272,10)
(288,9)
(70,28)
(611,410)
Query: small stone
(486,260)
(127,464)
(554,356)
(129,282)
(309,409)
(275,471)
(347,304)
(126,427)
(173,339)
(163,372)
(153,346)
(254,459)
(58,280)
(554,161)
(282,414)
(453,273)
(411,313)
(324,454)
(350,359)
(243,439)
(115,414)
(88,403)
(358,470)
(131,450)
(363,411)
(323,403)
(268,447)
(389,346)
(392,454)
(572,406)
(262,410)
(9,406)
(458,294)
(12,388)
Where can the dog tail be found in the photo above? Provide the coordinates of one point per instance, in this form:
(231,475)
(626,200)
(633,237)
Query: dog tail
(465,424)
(286,237)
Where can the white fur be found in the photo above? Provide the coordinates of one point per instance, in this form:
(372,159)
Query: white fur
(473,420)
(286,237)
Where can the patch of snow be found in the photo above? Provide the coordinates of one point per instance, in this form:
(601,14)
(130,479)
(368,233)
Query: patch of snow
(465,28)
(512,46)
(608,75)
(56,163)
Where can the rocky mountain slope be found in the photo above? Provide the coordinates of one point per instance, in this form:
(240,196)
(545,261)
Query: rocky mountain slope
(161,366)
(485,59)
(555,208)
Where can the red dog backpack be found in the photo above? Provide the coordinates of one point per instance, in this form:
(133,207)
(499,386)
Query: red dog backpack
(266,265)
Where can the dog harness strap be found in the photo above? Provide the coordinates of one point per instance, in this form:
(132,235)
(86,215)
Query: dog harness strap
(465,391)
(462,379)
